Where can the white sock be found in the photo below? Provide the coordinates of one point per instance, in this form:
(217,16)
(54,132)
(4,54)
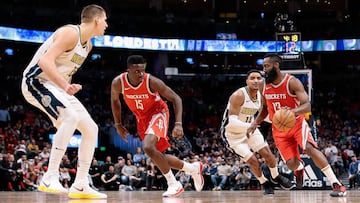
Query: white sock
(56,155)
(61,138)
(274,172)
(170,177)
(188,167)
(89,131)
(262,179)
(329,173)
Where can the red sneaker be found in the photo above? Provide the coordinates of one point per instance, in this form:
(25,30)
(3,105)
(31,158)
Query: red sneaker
(338,190)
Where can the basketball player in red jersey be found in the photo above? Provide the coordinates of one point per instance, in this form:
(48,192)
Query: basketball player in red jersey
(285,91)
(142,94)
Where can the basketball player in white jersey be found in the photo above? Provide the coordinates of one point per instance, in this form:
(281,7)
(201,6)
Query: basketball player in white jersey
(243,104)
(47,85)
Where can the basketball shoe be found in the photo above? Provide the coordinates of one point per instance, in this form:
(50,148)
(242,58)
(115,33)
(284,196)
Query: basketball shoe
(82,190)
(197,176)
(268,189)
(284,182)
(50,183)
(338,190)
(173,190)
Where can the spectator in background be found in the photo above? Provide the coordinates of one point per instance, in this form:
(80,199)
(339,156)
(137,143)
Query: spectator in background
(138,156)
(4,174)
(150,176)
(331,152)
(184,180)
(243,178)
(137,181)
(109,179)
(354,172)
(222,173)
(127,171)
(45,153)
(32,149)
(20,149)
(95,173)
(4,116)
(119,166)
(210,169)
(66,171)
(106,164)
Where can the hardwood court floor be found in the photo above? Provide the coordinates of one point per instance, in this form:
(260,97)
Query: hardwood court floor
(253,196)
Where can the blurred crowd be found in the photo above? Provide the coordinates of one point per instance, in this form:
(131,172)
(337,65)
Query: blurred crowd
(25,144)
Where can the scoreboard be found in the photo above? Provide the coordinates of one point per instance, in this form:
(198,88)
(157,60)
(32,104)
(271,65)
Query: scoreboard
(288,45)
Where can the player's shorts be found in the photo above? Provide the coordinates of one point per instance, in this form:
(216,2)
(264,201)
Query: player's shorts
(288,143)
(51,99)
(156,125)
(244,146)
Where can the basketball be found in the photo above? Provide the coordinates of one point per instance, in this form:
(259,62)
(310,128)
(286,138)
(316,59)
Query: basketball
(284,119)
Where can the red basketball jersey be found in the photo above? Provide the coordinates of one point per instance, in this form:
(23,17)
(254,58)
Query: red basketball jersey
(140,100)
(278,96)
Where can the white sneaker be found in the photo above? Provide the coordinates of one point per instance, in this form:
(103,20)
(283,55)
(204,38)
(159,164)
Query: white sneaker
(197,176)
(174,190)
(50,183)
(82,190)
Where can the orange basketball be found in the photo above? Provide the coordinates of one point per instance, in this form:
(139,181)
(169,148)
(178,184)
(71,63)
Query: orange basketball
(284,119)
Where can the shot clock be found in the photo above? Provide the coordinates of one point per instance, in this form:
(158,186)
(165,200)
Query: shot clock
(288,45)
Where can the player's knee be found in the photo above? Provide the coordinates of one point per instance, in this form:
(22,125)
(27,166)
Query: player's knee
(292,164)
(93,127)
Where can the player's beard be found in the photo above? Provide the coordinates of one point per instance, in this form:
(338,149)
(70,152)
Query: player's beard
(270,76)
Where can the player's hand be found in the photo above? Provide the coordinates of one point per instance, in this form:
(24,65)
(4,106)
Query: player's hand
(178,131)
(251,129)
(122,131)
(73,89)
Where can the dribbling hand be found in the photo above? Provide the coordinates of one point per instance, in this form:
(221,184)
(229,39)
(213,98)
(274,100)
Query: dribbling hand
(122,131)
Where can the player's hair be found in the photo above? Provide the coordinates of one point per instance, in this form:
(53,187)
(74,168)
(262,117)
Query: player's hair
(253,71)
(274,58)
(135,59)
(90,12)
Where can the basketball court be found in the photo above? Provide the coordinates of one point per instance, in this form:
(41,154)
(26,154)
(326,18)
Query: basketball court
(250,196)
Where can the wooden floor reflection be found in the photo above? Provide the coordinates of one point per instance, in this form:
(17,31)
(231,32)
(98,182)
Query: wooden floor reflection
(304,196)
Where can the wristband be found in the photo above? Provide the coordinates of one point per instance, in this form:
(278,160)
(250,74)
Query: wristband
(179,123)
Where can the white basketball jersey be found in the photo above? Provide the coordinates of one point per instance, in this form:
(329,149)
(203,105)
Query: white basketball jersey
(250,107)
(67,63)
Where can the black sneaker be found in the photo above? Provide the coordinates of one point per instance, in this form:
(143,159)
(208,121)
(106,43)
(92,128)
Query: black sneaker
(338,190)
(299,175)
(284,182)
(268,189)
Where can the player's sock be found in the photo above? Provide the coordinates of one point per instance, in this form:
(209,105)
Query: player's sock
(329,173)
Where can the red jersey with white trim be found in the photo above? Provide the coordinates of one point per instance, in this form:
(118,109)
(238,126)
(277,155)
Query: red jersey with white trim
(279,96)
(140,100)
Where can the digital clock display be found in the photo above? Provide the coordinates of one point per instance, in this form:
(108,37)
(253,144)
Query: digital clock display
(289,45)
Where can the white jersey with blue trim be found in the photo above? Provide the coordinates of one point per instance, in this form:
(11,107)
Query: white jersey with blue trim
(250,107)
(67,63)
